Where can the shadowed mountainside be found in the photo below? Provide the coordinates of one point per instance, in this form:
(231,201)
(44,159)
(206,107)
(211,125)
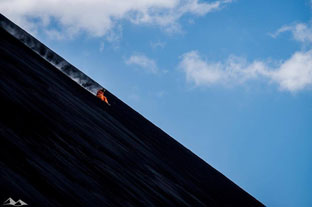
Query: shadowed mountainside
(62,146)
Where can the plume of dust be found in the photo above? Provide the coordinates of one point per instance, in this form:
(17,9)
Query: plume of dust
(50,56)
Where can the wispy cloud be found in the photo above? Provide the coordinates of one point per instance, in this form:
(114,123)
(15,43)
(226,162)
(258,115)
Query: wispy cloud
(158,44)
(143,62)
(98,18)
(293,74)
(301,32)
(102,46)
(54,34)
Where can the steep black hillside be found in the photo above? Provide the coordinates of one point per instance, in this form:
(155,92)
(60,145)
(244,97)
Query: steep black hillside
(62,146)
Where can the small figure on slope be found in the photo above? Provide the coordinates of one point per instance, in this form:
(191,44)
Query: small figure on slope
(100,95)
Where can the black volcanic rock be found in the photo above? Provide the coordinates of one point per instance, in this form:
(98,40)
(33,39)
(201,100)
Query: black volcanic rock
(62,146)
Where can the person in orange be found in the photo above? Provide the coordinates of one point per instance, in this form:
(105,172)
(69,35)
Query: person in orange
(100,95)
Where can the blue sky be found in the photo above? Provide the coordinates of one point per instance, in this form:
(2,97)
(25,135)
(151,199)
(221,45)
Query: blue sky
(230,80)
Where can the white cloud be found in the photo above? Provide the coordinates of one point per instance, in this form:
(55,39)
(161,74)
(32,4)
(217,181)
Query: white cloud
(143,62)
(301,32)
(293,74)
(158,44)
(98,17)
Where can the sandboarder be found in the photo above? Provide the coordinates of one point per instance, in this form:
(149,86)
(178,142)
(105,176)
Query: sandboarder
(100,95)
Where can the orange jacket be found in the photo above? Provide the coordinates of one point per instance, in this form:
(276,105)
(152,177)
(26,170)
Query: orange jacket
(100,95)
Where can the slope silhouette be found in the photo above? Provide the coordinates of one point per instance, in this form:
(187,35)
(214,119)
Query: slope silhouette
(62,146)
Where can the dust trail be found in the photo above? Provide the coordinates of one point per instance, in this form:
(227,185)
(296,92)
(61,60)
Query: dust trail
(60,63)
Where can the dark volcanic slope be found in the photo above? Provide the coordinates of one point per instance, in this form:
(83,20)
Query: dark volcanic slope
(61,146)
